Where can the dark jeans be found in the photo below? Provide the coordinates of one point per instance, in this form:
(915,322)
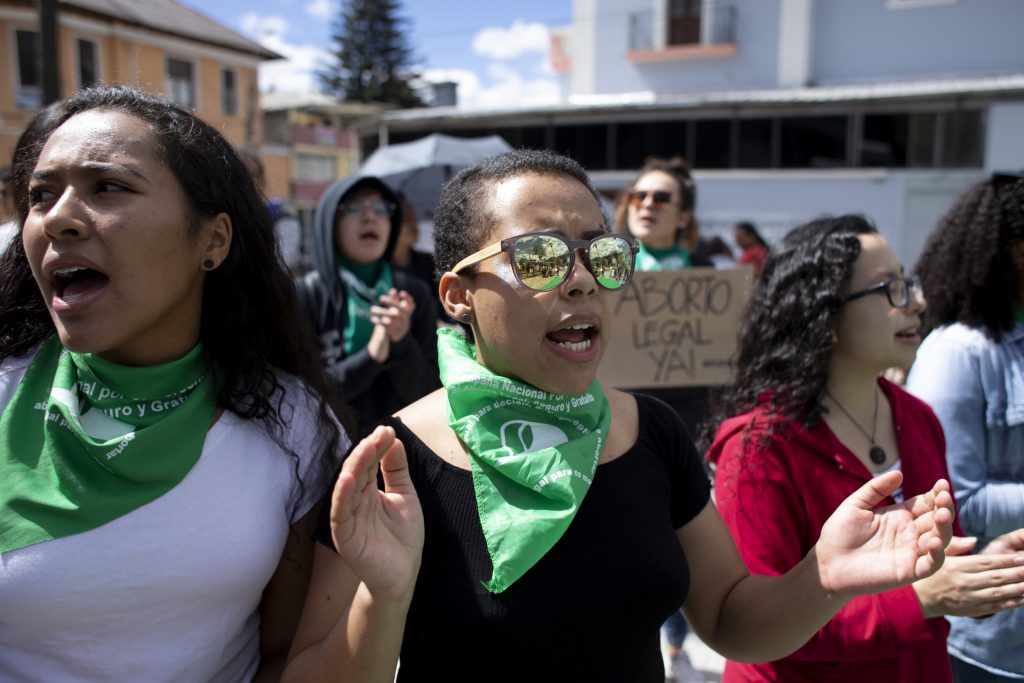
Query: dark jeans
(968,673)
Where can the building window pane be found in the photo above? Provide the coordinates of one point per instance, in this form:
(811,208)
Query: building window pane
(87,71)
(711,144)
(634,142)
(962,139)
(229,90)
(587,144)
(30,66)
(922,140)
(885,141)
(180,83)
(755,141)
(314,168)
(813,141)
(683,22)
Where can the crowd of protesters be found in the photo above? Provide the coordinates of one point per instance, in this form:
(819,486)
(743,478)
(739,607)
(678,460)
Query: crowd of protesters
(221,464)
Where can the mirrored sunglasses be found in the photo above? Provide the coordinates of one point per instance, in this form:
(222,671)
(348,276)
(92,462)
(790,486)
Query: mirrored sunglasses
(543,260)
(658,197)
(379,207)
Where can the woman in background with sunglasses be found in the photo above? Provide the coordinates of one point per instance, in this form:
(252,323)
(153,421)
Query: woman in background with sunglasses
(970,370)
(809,421)
(375,324)
(659,213)
(536,525)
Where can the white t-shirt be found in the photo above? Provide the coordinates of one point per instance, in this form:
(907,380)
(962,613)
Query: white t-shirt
(170,591)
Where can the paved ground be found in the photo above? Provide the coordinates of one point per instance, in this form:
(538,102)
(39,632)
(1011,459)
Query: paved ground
(705,661)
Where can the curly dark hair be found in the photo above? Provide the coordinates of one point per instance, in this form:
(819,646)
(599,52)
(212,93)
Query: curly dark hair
(464,219)
(250,325)
(786,335)
(966,268)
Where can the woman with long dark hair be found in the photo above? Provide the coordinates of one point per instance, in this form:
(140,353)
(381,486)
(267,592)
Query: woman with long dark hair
(970,370)
(809,420)
(165,429)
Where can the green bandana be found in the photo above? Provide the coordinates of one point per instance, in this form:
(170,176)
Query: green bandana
(533,455)
(84,441)
(364,285)
(673,258)
(1018,313)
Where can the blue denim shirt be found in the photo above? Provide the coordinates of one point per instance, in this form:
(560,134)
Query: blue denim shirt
(976,387)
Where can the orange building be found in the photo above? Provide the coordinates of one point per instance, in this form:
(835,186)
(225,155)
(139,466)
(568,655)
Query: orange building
(156,45)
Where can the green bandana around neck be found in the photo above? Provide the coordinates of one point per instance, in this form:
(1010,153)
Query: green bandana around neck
(652,260)
(1018,313)
(84,441)
(533,455)
(364,285)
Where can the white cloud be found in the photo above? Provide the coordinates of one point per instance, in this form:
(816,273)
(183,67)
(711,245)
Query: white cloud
(323,10)
(497,42)
(260,26)
(297,71)
(505,88)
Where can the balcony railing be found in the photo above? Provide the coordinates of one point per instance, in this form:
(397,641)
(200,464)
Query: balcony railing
(717,27)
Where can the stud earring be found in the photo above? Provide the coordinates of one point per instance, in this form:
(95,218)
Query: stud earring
(208,264)
(466,318)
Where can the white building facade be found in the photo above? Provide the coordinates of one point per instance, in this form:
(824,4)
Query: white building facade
(786,109)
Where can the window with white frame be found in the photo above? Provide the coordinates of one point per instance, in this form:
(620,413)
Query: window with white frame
(229,91)
(314,168)
(181,85)
(88,62)
(29,69)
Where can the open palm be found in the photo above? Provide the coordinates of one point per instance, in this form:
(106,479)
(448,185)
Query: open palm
(379,534)
(863,549)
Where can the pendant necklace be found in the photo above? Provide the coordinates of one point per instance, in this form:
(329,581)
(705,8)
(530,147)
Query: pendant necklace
(877,453)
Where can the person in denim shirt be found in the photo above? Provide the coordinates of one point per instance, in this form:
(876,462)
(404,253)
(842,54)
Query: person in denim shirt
(970,369)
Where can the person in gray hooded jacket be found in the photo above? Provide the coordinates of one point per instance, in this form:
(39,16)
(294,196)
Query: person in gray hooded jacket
(376,326)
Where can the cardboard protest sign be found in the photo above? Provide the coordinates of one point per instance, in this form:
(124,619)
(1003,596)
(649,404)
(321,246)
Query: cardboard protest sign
(675,328)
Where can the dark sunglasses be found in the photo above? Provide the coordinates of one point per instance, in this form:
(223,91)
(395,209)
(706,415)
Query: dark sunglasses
(543,260)
(897,291)
(658,197)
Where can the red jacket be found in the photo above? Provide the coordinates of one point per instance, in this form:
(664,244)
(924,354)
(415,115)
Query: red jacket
(774,497)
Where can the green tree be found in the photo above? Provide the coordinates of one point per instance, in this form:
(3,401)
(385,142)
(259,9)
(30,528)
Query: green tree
(371,55)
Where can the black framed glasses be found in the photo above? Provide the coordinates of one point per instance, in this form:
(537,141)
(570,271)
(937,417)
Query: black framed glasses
(897,291)
(658,197)
(543,260)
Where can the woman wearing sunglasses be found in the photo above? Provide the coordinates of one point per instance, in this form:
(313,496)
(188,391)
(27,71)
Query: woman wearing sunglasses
(375,323)
(809,421)
(970,370)
(534,525)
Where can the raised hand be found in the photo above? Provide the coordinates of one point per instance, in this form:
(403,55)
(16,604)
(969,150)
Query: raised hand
(394,313)
(973,585)
(867,550)
(379,534)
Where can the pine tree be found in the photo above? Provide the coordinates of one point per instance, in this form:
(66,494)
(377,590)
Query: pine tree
(371,55)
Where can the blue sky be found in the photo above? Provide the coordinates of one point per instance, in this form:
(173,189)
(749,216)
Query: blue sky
(496,51)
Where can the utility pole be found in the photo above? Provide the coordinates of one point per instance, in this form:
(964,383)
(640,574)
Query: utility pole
(50,53)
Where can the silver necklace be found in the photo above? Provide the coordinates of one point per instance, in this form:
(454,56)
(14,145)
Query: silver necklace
(877,453)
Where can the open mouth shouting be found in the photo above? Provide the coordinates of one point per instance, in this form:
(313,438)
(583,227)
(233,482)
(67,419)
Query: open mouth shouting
(75,286)
(576,340)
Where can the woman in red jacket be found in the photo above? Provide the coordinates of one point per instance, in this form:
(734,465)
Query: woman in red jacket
(813,421)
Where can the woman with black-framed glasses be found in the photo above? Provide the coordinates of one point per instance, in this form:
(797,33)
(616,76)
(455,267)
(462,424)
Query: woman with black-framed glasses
(534,525)
(970,370)
(809,420)
(375,324)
